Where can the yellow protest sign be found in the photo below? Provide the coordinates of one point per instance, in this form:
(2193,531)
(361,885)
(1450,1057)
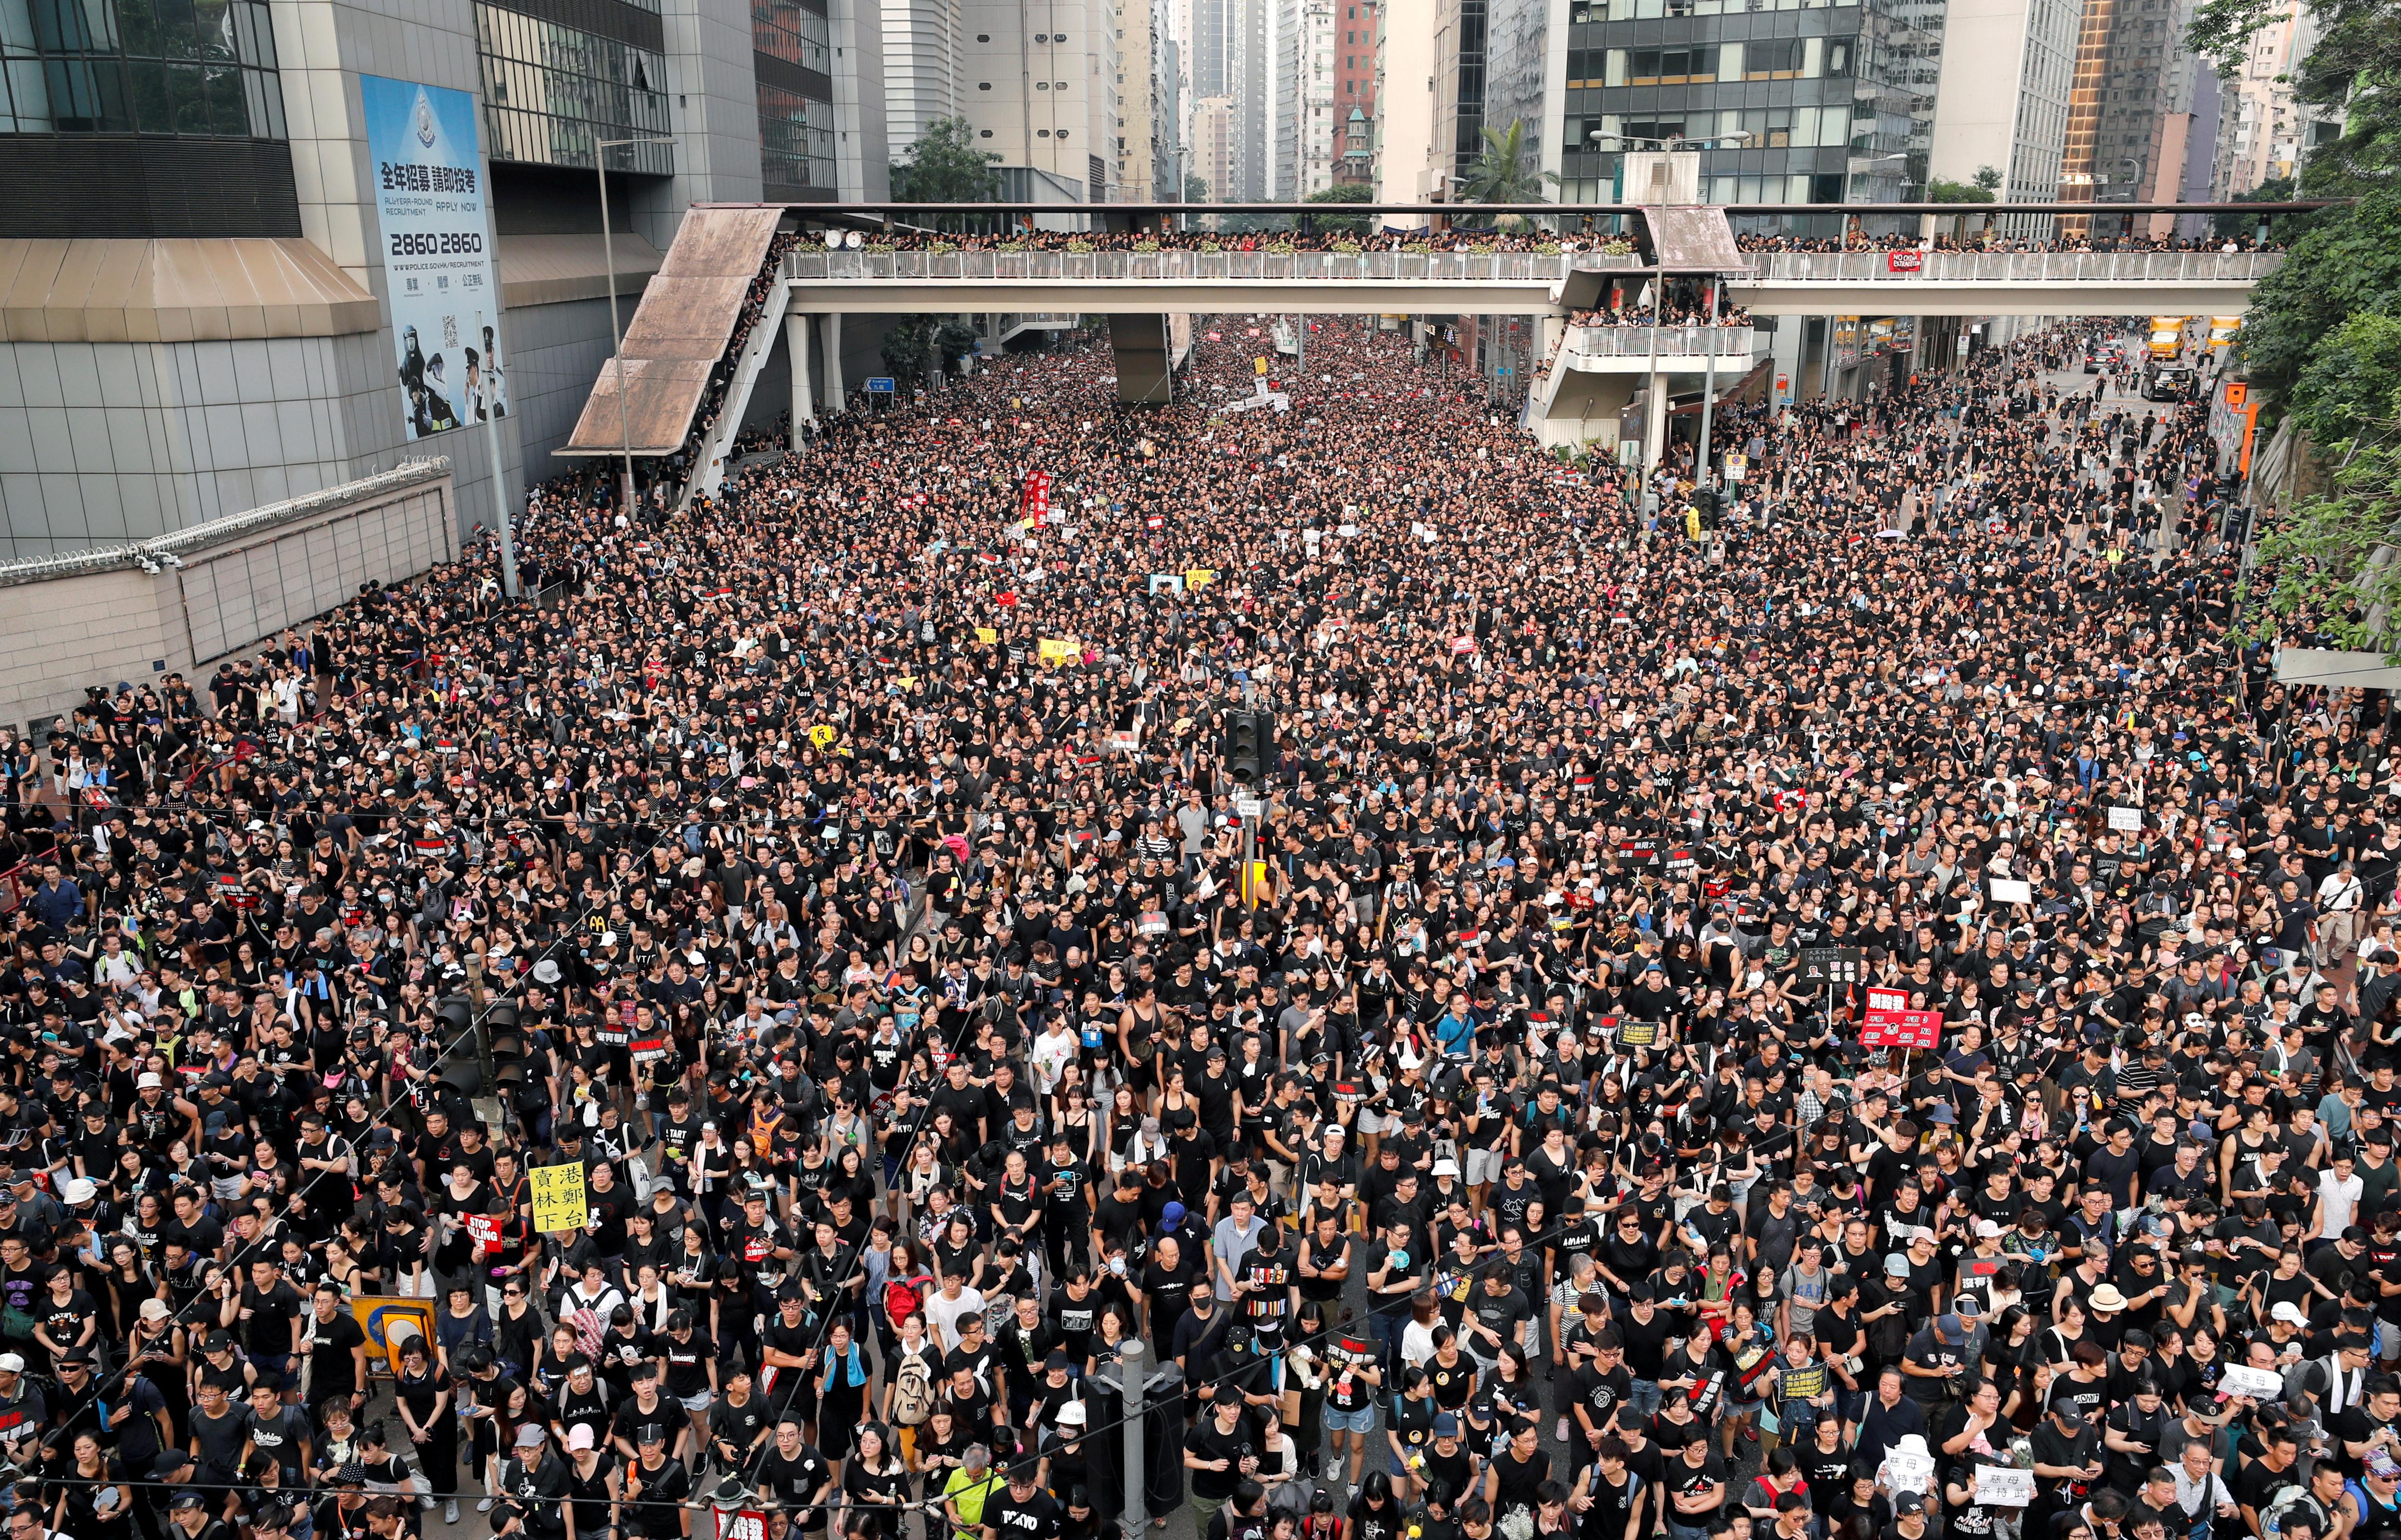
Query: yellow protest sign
(1257,887)
(1260,365)
(559,1201)
(822,734)
(908,682)
(1198,577)
(1060,649)
(987,636)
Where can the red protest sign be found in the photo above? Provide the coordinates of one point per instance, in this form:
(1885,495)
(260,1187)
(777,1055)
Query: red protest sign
(485,1230)
(1903,262)
(1891,1024)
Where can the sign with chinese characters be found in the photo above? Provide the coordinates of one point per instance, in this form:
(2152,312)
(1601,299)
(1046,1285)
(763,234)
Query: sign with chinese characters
(437,259)
(558,1200)
(1891,1023)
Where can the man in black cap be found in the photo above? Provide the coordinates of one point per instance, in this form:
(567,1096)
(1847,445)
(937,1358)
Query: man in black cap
(2067,1464)
(657,1486)
(188,1519)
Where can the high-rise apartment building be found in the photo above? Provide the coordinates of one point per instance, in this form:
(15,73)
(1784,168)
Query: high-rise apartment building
(2262,131)
(1213,146)
(924,60)
(1142,68)
(1308,134)
(1234,59)
(1410,167)
(245,179)
(2008,67)
(1354,91)
(1042,88)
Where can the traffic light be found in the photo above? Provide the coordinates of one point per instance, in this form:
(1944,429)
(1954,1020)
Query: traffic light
(496,1060)
(511,1051)
(1248,737)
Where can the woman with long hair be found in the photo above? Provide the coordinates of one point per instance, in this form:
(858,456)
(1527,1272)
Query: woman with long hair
(1375,1512)
(875,1481)
(93,1497)
(424,1394)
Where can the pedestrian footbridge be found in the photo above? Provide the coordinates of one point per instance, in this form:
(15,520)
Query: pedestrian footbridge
(1419,282)
(730,286)
(2001,283)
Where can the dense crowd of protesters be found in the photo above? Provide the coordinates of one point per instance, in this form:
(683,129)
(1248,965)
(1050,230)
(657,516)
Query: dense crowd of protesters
(866,861)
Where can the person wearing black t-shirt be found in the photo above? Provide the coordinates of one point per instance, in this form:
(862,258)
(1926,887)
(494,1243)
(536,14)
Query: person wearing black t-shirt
(1022,1512)
(579,1403)
(533,1489)
(657,1486)
(268,1310)
(796,1478)
(1448,1467)
(1215,1452)
(1621,1499)
(1517,1474)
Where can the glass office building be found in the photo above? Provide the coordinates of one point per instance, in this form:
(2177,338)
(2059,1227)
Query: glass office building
(1837,99)
(141,118)
(554,90)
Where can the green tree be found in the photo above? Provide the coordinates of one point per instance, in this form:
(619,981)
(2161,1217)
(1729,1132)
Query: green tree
(2239,227)
(945,166)
(2347,263)
(1342,192)
(1989,178)
(954,340)
(2355,68)
(1501,174)
(1941,190)
(1195,188)
(909,350)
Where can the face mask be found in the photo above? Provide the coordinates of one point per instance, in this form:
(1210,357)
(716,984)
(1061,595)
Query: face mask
(1118,1266)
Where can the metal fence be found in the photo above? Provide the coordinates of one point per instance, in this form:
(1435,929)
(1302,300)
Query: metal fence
(1417,267)
(2017,266)
(1674,342)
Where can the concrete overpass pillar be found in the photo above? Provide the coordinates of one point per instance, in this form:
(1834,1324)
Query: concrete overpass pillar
(1146,362)
(805,403)
(831,393)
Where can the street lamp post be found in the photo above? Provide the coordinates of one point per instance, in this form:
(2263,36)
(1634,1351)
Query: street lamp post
(1655,421)
(616,335)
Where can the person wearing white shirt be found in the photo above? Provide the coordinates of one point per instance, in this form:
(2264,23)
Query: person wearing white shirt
(2338,900)
(2339,1191)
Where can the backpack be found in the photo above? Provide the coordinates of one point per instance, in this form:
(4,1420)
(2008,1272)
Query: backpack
(901,1299)
(913,1391)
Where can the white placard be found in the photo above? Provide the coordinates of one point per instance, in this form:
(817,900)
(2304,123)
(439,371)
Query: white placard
(1250,808)
(1904,1472)
(2260,1384)
(2007,890)
(2126,820)
(2003,1486)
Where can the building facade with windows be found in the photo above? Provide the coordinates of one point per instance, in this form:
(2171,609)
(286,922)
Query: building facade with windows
(211,163)
(2007,74)
(1041,88)
(1838,99)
